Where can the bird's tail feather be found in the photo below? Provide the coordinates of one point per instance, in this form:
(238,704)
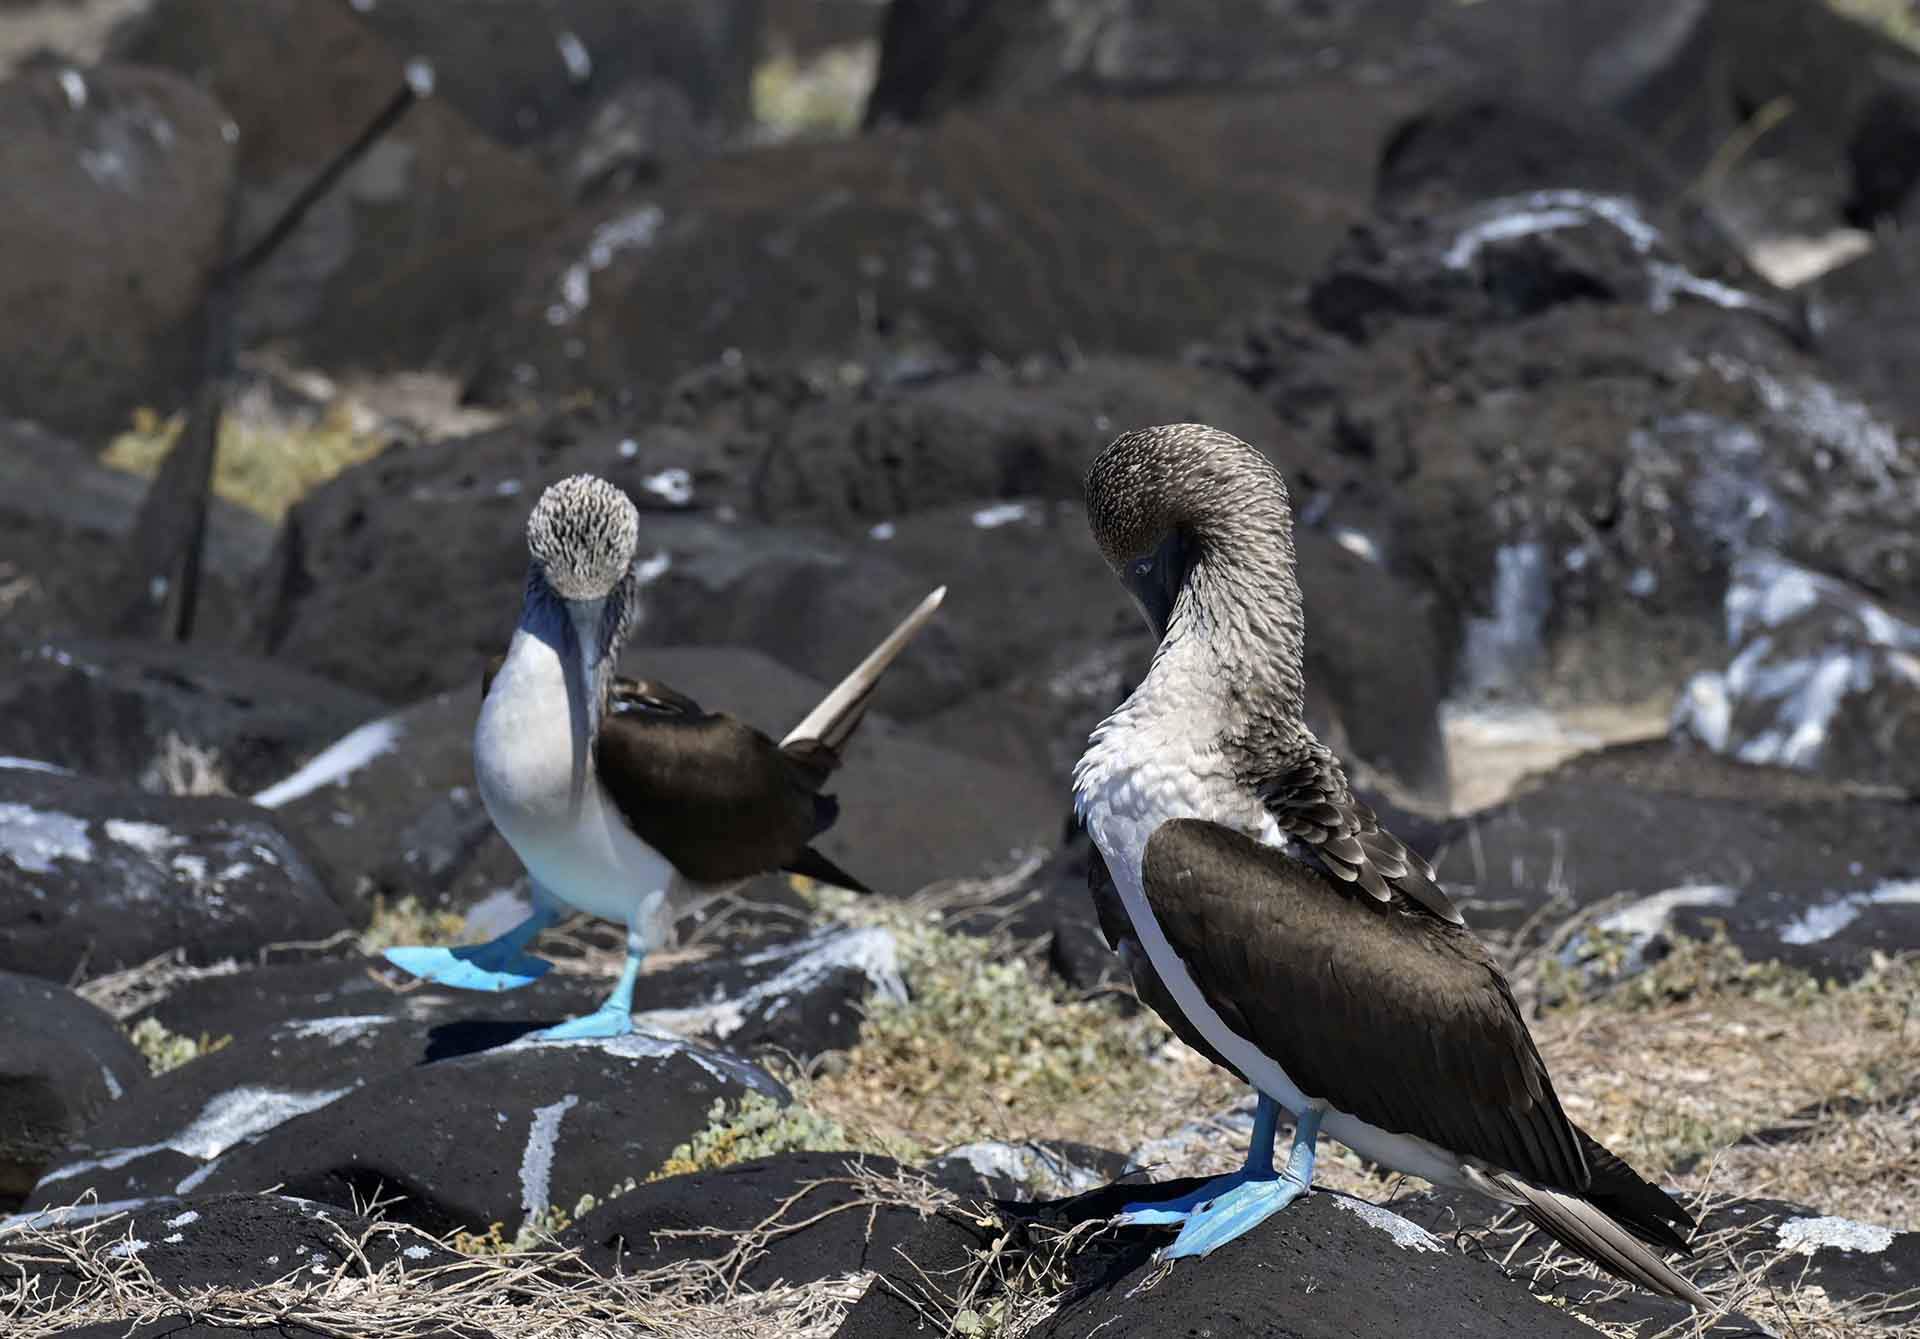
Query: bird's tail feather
(817,867)
(840,711)
(1587,1230)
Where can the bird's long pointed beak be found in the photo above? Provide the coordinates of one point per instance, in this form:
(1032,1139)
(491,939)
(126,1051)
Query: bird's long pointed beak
(583,696)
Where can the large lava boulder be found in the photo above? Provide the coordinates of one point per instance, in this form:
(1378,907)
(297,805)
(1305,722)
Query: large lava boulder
(62,1061)
(566,81)
(795,1218)
(225,1241)
(64,521)
(1571,428)
(300,79)
(119,184)
(155,712)
(1823,679)
(94,878)
(1795,868)
(1395,1277)
(1107,225)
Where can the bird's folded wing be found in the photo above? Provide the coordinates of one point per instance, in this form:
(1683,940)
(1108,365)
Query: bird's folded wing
(711,793)
(1377,1009)
(1312,803)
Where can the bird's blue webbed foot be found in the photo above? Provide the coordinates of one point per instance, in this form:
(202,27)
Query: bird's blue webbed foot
(612,1019)
(499,964)
(1230,1206)
(608,1020)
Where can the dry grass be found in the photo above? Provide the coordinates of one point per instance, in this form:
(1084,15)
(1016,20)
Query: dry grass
(545,1293)
(989,1048)
(266,461)
(182,767)
(1673,1068)
(1898,19)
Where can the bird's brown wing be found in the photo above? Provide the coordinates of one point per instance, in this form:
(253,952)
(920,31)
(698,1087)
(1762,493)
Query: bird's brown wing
(1379,1010)
(1312,803)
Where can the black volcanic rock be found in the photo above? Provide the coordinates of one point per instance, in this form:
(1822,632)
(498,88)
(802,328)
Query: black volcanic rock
(119,181)
(1393,1277)
(294,1038)
(497,1136)
(62,1061)
(850,1221)
(1795,868)
(546,78)
(1823,679)
(94,878)
(240,1241)
(424,232)
(64,521)
(120,708)
(1574,482)
(990,234)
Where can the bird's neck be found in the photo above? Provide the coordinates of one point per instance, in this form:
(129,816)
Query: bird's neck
(1237,637)
(1227,676)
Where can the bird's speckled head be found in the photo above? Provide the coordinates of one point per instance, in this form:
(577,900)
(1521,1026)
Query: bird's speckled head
(582,534)
(1163,502)
(1199,529)
(1180,476)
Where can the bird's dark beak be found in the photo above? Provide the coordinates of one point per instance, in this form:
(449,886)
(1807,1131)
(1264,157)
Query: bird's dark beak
(1155,581)
(583,684)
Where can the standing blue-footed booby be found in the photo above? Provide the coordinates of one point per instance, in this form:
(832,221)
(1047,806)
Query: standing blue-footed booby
(622,796)
(1274,924)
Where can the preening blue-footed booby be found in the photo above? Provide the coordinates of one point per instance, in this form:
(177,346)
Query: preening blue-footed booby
(620,796)
(1274,924)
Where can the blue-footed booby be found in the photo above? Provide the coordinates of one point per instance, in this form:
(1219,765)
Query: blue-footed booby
(622,796)
(1274,924)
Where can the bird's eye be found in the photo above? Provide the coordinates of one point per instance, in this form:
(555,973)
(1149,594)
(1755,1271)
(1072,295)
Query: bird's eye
(1142,566)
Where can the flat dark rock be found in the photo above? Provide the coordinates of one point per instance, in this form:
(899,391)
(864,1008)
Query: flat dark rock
(987,234)
(1823,678)
(1328,1266)
(62,1062)
(1796,869)
(113,241)
(854,1225)
(338,1026)
(96,877)
(118,709)
(463,1143)
(235,1241)
(800,996)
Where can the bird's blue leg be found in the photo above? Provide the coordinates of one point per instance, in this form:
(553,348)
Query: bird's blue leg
(499,964)
(1229,1206)
(615,1017)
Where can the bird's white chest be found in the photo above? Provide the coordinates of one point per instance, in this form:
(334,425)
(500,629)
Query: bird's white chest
(1132,780)
(523,741)
(586,855)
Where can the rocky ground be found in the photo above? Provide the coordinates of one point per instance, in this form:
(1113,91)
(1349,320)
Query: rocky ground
(1582,334)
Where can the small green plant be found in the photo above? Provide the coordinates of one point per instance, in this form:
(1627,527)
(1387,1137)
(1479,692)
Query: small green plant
(408,922)
(758,1127)
(262,463)
(166,1050)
